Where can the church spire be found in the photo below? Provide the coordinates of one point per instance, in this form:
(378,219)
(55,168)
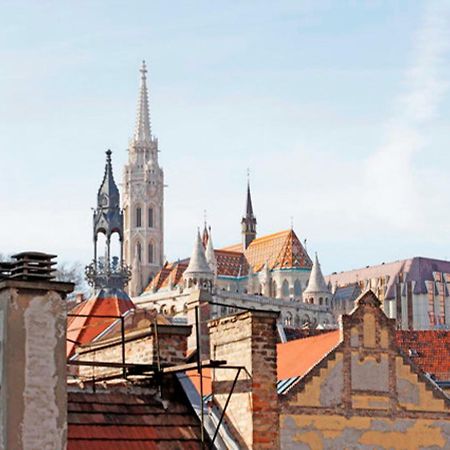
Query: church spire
(248,222)
(142,132)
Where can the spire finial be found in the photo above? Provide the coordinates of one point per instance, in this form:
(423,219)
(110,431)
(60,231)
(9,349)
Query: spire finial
(142,133)
(292,222)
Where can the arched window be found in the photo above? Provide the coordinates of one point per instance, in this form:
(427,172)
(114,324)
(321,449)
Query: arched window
(139,251)
(320,301)
(150,217)
(138,217)
(150,253)
(274,289)
(297,288)
(285,289)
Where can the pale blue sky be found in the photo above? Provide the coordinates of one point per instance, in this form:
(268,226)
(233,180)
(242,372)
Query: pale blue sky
(339,108)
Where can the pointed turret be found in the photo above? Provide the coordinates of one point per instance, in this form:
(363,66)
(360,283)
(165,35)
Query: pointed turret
(142,132)
(108,215)
(205,235)
(210,255)
(198,271)
(108,272)
(317,291)
(248,222)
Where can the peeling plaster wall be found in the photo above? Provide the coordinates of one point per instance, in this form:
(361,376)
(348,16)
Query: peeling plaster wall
(366,433)
(33,391)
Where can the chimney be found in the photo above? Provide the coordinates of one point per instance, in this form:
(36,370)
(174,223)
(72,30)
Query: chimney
(198,300)
(33,398)
(248,339)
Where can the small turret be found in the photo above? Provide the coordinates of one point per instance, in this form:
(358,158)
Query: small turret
(198,272)
(317,292)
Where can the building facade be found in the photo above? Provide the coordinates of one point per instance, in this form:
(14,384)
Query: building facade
(415,291)
(143,198)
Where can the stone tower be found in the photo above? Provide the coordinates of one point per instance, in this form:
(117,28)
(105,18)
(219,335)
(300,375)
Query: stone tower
(143,197)
(248,222)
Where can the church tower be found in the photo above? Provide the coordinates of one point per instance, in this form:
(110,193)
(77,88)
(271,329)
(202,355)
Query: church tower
(248,222)
(143,198)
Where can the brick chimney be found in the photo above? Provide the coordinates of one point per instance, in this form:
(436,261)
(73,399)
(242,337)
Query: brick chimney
(199,298)
(248,339)
(33,398)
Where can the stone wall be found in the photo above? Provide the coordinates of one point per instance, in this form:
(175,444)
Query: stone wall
(248,340)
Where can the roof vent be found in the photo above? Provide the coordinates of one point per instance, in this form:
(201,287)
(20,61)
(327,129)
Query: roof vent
(30,266)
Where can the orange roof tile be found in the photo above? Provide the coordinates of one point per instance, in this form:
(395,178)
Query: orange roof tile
(106,302)
(296,358)
(430,350)
(230,263)
(281,250)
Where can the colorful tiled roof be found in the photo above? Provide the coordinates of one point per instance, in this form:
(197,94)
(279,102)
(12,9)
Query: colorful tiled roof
(429,349)
(130,421)
(281,250)
(106,302)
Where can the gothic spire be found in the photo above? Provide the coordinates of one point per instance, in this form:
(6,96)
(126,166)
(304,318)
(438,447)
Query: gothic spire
(248,222)
(108,196)
(142,132)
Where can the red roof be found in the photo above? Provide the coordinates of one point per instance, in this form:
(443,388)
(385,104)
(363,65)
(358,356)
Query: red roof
(106,302)
(119,420)
(296,358)
(430,350)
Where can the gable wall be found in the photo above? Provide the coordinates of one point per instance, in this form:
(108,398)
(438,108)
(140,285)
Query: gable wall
(364,395)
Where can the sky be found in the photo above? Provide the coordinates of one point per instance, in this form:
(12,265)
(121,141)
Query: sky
(339,109)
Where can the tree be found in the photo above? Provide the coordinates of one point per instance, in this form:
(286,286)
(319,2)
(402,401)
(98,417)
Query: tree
(73,273)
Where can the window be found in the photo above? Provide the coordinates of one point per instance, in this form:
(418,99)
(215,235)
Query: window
(139,251)
(285,289)
(150,253)
(138,217)
(297,288)
(150,217)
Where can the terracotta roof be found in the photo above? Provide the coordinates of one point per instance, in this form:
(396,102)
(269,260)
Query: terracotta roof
(106,302)
(430,350)
(231,263)
(130,421)
(281,250)
(296,358)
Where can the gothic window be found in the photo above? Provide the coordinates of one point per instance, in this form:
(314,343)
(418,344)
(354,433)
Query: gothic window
(320,301)
(297,288)
(138,217)
(150,217)
(139,251)
(274,289)
(150,253)
(285,289)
